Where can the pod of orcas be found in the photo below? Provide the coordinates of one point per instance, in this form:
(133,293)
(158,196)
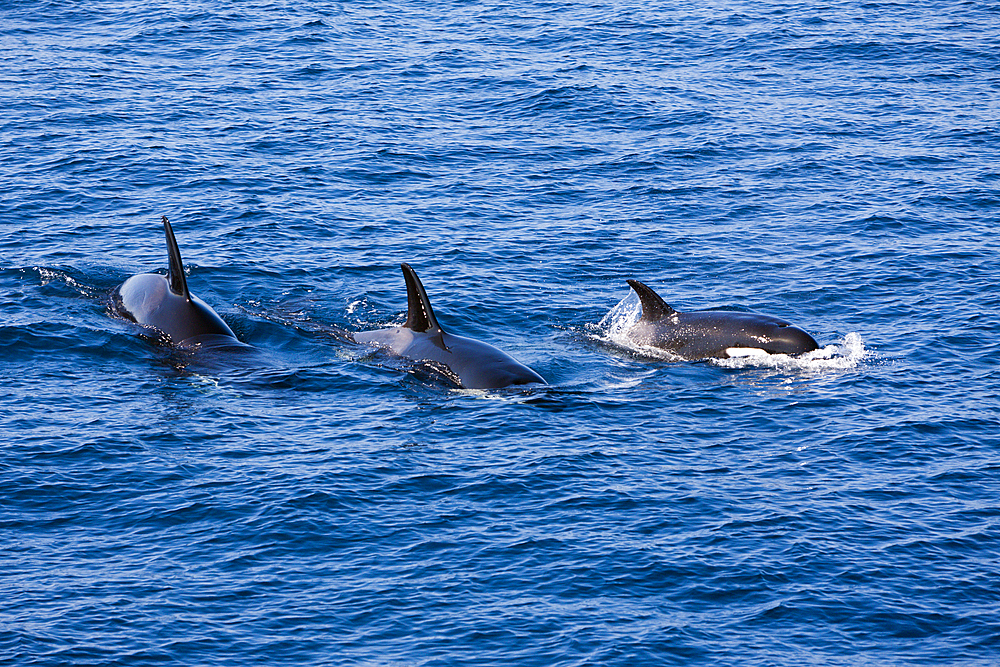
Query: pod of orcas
(166,305)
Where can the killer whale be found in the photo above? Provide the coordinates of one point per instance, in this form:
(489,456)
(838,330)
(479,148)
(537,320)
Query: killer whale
(712,333)
(475,364)
(166,304)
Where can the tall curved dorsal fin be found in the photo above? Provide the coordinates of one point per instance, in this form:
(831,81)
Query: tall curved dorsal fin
(419,314)
(175,275)
(653,307)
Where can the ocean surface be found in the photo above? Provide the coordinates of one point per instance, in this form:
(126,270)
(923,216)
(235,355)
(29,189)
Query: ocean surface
(313,502)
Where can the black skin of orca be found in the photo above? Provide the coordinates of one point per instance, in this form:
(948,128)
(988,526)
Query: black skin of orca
(164,303)
(709,333)
(472,364)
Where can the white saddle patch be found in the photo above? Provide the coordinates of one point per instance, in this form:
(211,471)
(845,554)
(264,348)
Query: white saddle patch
(734,352)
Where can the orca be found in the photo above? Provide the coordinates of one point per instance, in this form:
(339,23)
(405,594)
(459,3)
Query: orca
(166,304)
(712,333)
(471,363)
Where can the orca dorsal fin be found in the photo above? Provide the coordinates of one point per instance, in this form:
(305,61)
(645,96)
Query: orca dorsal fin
(654,308)
(419,314)
(175,275)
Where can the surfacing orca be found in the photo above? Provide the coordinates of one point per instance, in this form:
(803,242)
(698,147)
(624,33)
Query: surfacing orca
(475,364)
(165,303)
(712,333)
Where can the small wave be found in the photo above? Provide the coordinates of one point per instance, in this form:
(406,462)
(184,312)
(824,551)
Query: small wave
(48,276)
(296,316)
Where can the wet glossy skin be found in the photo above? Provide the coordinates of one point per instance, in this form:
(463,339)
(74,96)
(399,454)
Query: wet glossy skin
(476,364)
(165,303)
(712,333)
(705,334)
(147,300)
(473,364)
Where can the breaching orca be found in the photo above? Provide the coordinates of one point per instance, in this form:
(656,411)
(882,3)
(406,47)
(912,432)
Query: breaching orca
(165,303)
(475,364)
(712,333)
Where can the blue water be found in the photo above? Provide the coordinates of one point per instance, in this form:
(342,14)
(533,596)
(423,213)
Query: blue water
(314,503)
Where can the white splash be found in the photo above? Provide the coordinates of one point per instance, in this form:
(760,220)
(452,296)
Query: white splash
(613,329)
(843,355)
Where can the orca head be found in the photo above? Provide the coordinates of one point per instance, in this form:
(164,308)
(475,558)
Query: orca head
(509,374)
(783,338)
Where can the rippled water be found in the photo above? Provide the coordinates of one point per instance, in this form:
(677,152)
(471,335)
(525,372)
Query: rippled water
(310,501)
